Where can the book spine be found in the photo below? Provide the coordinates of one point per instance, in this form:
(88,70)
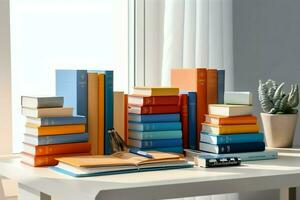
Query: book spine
(221,86)
(154,118)
(201,100)
(42,161)
(170,100)
(155,126)
(184,119)
(230,129)
(177,149)
(60,139)
(50,102)
(192,120)
(160,143)
(155,135)
(126,118)
(62,149)
(52,121)
(241,147)
(212,86)
(82,93)
(146,110)
(101,111)
(240,138)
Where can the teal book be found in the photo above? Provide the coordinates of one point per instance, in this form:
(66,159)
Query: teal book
(164,126)
(177,149)
(155,135)
(155,143)
(55,121)
(231,138)
(154,118)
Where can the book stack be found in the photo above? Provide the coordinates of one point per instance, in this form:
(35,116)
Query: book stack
(51,131)
(154,119)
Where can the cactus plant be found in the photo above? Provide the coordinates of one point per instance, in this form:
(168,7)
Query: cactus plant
(274,100)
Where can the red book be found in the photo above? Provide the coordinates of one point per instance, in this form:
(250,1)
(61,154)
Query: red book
(184,119)
(137,100)
(212,86)
(145,110)
(193,80)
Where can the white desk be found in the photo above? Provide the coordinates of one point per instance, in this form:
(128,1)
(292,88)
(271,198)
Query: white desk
(259,175)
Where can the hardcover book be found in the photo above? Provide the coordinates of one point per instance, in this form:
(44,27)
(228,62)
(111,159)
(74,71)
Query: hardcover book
(136,100)
(56,121)
(154,118)
(119,113)
(229,110)
(229,129)
(154,143)
(147,110)
(221,86)
(232,148)
(54,130)
(156,91)
(47,112)
(231,138)
(212,86)
(155,135)
(192,120)
(42,102)
(163,126)
(242,98)
(101,111)
(219,120)
(175,149)
(184,119)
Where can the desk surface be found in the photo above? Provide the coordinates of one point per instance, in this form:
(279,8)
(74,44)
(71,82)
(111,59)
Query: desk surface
(255,175)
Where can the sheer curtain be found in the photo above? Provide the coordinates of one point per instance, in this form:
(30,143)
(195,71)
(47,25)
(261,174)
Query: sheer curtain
(198,33)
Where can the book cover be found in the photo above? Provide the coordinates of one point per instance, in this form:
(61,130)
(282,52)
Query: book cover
(147,110)
(176,149)
(156,91)
(154,143)
(241,98)
(47,112)
(184,119)
(221,86)
(54,149)
(163,126)
(119,113)
(231,138)
(56,121)
(136,100)
(155,135)
(154,118)
(126,117)
(229,110)
(219,120)
(101,111)
(55,139)
(93,108)
(230,129)
(193,80)
(42,102)
(72,85)
(212,86)
(232,148)
(192,122)
(54,130)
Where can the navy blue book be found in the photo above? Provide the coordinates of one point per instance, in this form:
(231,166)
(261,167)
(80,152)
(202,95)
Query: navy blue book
(221,86)
(232,148)
(55,121)
(72,85)
(154,118)
(164,126)
(154,143)
(192,106)
(55,139)
(231,138)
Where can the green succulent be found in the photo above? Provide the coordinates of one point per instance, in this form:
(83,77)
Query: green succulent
(274,100)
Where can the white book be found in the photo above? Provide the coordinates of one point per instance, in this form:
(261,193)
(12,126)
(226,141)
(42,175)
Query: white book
(229,110)
(242,98)
(47,112)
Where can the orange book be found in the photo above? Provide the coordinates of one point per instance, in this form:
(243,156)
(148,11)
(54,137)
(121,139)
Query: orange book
(55,149)
(126,118)
(32,129)
(230,129)
(212,86)
(93,111)
(193,80)
(101,114)
(184,119)
(219,120)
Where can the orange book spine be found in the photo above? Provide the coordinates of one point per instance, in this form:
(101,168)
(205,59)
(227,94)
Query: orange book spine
(59,130)
(126,118)
(201,100)
(101,115)
(184,119)
(55,149)
(212,86)
(238,120)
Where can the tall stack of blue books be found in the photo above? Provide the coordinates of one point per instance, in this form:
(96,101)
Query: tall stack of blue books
(154,120)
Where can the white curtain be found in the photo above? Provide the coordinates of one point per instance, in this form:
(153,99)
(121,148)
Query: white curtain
(198,33)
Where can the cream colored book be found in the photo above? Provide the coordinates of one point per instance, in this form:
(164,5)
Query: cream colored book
(47,112)
(119,115)
(229,110)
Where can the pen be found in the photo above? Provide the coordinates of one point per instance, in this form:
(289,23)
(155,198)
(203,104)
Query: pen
(140,153)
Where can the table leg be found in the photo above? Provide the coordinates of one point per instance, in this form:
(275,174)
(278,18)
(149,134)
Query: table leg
(288,194)
(26,193)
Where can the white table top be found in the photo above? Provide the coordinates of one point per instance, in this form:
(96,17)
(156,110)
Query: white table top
(255,175)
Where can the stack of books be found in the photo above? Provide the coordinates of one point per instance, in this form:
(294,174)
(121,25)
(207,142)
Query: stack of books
(154,119)
(52,131)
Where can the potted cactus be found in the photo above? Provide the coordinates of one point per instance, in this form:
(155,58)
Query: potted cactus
(280,113)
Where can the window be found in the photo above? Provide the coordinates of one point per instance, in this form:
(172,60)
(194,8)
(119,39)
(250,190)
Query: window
(55,34)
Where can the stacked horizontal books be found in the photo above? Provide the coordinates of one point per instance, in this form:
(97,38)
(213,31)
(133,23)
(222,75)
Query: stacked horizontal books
(232,129)
(52,131)
(154,119)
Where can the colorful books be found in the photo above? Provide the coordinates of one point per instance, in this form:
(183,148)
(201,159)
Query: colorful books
(242,98)
(232,148)
(145,110)
(161,126)
(42,102)
(156,91)
(192,120)
(229,129)
(229,110)
(154,118)
(212,86)
(184,119)
(136,100)
(231,138)
(47,112)
(155,135)
(219,120)
(221,86)
(56,121)
(54,130)
(155,143)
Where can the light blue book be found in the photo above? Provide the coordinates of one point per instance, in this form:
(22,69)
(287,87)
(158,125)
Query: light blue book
(55,139)
(54,121)
(72,85)
(164,126)
(154,118)
(155,135)
(154,143)
(177,149)
(231,138)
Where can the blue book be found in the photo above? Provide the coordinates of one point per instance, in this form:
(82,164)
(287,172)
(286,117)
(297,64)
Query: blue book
(155,135)
(177,149)
(54,121)
(108,108)
(72,85)
(231,138)
(154,143)
(192,106)
(221,86)
(165,126)
(154,118)
(232,148)
(55,139)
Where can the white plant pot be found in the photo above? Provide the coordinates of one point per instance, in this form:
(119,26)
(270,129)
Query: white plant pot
(279,129)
